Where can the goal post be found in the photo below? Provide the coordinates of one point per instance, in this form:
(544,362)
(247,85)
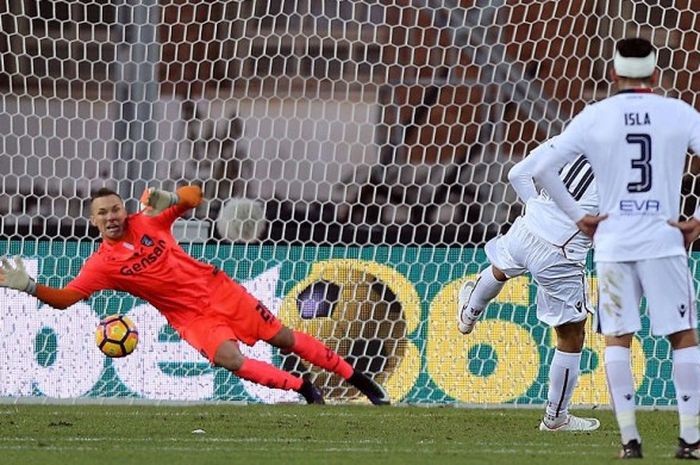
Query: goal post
(354,158)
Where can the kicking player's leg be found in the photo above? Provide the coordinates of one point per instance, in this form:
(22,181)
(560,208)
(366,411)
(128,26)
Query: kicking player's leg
(314,351)
(561,304)
(563,378)
(474,297)
(506,256)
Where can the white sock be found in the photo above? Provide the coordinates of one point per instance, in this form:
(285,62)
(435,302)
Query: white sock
(563,377)
(486,289)
(686,379)
(622,391)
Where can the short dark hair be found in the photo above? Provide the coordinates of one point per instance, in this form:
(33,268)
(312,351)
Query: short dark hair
(635,47)
(103,192)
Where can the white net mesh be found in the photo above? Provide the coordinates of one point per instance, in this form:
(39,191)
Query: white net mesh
(359,150)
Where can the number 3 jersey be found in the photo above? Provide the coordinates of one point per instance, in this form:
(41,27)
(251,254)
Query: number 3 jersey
(636,143)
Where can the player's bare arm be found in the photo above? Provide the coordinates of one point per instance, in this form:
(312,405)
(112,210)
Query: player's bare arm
(589,224)
(689,228)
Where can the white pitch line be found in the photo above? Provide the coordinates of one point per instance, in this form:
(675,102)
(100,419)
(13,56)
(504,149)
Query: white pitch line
(386,450)
(153,443)
(197,439)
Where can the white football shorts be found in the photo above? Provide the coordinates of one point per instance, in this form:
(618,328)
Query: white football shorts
(561,289)
(667,285)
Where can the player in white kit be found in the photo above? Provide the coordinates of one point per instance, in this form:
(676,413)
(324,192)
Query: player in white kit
(636,143)
(547,244)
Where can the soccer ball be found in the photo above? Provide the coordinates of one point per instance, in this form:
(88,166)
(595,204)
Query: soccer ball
(116,336)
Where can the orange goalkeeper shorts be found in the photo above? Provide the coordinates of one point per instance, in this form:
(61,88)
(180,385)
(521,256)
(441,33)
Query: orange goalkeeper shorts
(232,314)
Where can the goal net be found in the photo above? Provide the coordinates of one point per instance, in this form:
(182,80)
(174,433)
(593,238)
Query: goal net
(354,159)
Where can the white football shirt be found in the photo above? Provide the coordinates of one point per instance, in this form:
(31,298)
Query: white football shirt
(543,217)
(636,142)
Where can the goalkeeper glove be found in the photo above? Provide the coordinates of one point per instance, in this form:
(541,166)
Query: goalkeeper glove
(156,200)
(17,277)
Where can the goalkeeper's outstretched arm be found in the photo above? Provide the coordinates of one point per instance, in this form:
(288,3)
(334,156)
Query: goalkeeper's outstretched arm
(16,277)
(156,200)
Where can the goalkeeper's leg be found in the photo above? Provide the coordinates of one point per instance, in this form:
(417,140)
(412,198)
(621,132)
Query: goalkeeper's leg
(229,356)
(214,338)
(474,297)
(314,351)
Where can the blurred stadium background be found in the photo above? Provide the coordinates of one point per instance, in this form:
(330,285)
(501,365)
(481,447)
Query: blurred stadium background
(356,125)
(354,122)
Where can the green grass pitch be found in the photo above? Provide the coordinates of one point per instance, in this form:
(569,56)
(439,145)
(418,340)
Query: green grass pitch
(309,435)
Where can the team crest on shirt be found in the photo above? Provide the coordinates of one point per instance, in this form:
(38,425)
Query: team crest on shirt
(144,260)
(147,241)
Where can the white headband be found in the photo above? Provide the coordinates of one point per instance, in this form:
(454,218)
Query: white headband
(634,67)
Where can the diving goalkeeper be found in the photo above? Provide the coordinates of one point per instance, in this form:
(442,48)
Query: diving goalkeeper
(209,310)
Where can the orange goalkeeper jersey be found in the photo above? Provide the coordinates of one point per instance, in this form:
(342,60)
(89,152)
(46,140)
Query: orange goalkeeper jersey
(151,265)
